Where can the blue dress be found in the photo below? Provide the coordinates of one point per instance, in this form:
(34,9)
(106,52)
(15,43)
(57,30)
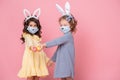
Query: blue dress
(63,56)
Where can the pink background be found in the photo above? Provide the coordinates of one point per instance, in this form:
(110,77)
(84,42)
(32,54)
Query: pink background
(97,40)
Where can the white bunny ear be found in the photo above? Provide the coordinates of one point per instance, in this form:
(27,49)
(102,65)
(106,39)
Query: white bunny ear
(37,12)
(67,8)
(26,13)
(60,9)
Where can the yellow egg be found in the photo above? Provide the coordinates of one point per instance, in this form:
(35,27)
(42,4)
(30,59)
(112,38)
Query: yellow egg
(38,48)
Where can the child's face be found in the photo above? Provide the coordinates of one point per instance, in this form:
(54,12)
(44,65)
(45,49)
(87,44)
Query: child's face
(32,27)
(63,22)
(64,26)
(32,24)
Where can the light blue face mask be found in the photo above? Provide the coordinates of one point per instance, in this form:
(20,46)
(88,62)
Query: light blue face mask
(65,29)
(32,30)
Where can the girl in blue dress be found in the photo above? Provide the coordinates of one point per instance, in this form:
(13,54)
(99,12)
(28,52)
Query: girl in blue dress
(64,56)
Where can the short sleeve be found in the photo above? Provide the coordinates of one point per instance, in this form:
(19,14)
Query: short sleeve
(28,40)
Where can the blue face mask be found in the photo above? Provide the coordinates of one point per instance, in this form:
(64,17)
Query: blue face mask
(65,29)
(32,30)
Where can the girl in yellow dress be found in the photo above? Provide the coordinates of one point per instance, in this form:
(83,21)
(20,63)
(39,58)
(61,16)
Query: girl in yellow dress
(34,59)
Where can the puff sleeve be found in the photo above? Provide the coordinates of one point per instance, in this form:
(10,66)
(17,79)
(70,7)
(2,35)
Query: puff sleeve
(28,41)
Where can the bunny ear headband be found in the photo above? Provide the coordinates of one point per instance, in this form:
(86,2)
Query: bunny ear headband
(28,15)
(66,11)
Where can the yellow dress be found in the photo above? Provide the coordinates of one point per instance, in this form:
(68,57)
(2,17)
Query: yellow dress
(34,63)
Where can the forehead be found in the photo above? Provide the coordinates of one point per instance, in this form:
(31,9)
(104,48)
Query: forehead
(63,21)
(32,23)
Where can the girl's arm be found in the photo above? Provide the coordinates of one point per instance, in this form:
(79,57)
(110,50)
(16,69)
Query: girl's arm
(54,57)
(52,60)
(57,41)
(28,41)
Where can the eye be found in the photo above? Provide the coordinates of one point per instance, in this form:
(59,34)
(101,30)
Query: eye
(35,25)
(30,25)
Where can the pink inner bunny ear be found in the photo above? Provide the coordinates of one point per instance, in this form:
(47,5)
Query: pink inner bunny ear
(26,13)
(60,9)
(67,8)
(37,12)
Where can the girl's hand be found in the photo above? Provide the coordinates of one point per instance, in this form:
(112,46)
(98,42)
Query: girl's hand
(50,63)
(34,49)
(44,45)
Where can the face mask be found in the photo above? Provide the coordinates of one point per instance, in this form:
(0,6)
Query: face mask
(32,30)
(65,29)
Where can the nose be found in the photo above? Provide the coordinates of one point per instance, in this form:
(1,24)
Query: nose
(33,29)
